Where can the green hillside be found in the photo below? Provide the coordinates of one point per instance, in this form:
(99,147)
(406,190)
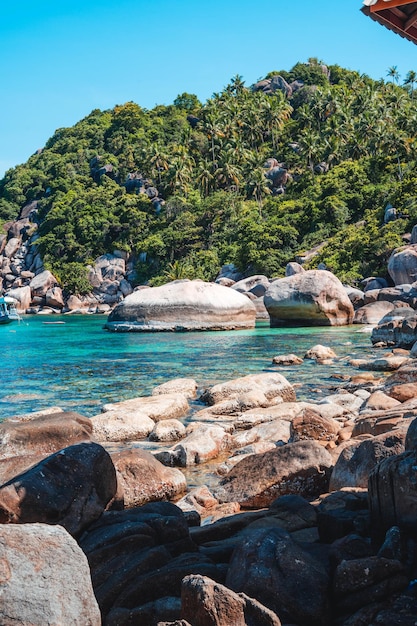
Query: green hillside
(188,187)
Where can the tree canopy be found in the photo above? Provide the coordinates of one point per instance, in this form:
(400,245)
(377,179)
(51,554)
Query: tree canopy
(255,176)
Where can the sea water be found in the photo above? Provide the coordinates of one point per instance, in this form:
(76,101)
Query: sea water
(72,362)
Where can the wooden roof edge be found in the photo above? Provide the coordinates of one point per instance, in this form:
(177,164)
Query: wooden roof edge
(411,35)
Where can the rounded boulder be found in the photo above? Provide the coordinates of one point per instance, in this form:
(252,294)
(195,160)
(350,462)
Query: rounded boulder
(312,298)
(183,305)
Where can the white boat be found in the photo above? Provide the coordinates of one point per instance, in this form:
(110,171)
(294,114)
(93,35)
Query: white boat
(8,311)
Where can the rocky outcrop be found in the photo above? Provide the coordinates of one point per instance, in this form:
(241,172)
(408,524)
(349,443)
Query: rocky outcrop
(183,305)
(45,578)
(399,328)
(312,298)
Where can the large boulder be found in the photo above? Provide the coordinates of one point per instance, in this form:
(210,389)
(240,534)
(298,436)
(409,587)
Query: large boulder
(301,468)
(45,578)
(42,282)
(71,488)
(399,327)
(23,297)
(312,298)
(402,265)
(373,312)
(183,305)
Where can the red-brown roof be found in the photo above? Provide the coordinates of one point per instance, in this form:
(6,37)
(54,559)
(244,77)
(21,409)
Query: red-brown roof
(399,16)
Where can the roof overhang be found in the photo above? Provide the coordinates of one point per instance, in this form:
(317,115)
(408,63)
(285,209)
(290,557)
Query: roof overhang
(399,16)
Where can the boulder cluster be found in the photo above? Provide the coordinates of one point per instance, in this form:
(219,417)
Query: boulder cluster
(24,277)
(305,512)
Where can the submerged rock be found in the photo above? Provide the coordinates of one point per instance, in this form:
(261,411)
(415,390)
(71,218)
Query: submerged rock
(183,305)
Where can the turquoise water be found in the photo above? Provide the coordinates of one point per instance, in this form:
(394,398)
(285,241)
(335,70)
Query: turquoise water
(77,365)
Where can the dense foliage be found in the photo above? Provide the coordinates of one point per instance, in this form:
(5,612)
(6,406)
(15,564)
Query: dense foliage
(347,141)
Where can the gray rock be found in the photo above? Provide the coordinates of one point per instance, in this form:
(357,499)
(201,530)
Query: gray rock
(314,298)
(45,578)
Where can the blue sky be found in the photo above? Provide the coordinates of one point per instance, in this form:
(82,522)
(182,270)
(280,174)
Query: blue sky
(59,59)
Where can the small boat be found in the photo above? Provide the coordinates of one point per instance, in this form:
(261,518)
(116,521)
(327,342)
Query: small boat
(8,311)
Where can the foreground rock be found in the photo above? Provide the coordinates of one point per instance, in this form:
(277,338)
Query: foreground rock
(71,488)
(206,602)
(301,468)
(271,567)
(312,298)
(141,478)
(183,305)
(45,578)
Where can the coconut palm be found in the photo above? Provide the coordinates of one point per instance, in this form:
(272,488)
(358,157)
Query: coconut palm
(410,81)
(393,74)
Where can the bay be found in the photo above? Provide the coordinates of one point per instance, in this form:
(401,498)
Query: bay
(72,362)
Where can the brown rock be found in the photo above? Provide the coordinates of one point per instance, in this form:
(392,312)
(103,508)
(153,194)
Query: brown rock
(287,359)
(315,298)
(300,468)
(43,435)
(379,400)
(143,479)
(358,458)
(312,425)
(373,312)
(272,385)
(404,392)
(71,488)
(207,603)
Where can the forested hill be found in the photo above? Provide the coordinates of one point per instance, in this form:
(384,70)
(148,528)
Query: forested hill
(255,176)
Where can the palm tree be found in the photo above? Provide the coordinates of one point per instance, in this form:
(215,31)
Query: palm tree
(411,80)
(259,186)
(393,74)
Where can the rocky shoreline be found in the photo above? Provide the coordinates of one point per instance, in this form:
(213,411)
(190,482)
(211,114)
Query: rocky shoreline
(310,521)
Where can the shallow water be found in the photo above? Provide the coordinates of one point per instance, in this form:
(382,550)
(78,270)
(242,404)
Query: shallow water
(73,363)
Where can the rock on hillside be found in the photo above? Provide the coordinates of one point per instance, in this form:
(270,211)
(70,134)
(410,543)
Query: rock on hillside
(183,305)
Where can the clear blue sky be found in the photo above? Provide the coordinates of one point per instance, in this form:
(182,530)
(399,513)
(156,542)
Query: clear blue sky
(60,59)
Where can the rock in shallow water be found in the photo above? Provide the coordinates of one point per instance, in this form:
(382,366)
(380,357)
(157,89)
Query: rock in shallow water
(183,305)
(313,298)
